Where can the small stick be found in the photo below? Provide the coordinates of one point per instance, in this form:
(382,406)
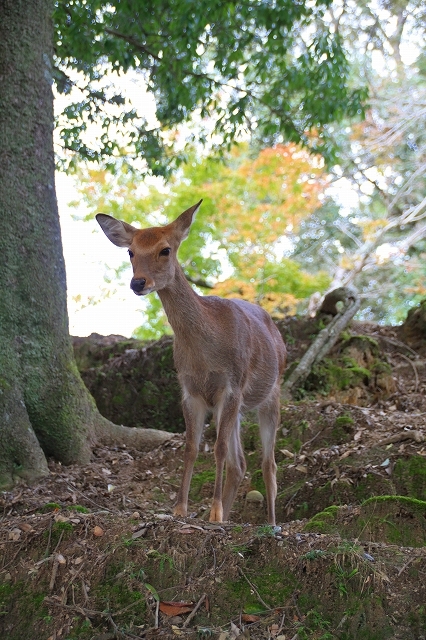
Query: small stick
(401,355)
(157,609)
(194,611)
(53,576)
(254,589)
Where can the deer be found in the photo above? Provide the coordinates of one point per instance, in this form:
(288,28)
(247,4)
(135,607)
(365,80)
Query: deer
(228,353)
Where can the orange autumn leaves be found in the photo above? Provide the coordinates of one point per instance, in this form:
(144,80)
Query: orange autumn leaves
(240,242)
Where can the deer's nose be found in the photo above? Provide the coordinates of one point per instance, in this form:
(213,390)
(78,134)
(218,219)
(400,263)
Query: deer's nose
(137,284)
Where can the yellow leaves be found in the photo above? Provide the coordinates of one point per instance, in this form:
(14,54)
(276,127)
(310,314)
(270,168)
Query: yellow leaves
(279,304)
(346,262)
(370,228)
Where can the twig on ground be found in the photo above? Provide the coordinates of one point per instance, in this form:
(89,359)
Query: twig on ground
(54,573)
(259,597)
(416,375)
(157,609)
(398,343)
(194,611)
(414,434)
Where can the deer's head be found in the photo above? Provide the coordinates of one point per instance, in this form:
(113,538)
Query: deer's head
(152,251)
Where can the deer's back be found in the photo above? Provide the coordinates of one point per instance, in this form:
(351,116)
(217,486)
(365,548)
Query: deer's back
(235,346)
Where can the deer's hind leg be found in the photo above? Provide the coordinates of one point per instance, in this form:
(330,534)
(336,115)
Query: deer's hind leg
(226,450)
(235,469)
(269,417)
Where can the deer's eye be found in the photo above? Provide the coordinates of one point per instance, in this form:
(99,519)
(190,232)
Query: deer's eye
(165,252)
(131,254)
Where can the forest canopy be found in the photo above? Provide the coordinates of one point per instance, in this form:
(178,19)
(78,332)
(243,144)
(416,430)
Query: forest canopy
(252,77)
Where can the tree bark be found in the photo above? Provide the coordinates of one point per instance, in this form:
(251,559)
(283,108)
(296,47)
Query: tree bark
(45,409)
(327,338)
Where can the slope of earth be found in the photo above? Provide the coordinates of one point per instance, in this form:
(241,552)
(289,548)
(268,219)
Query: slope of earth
(94,553)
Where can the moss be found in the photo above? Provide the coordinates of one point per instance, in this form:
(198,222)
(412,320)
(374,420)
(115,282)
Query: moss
(395,519)
(50,506)
(410,476)
(25,601)
(342,429)
(324,521)
(257,482)
(79,508)
(273,585)
(344,420)
(417,505)
(199,480)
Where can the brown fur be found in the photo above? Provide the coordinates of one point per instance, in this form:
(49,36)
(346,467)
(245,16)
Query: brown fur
(228,353)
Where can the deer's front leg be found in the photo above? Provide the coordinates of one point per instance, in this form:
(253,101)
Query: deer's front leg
(194,412)
(227,422)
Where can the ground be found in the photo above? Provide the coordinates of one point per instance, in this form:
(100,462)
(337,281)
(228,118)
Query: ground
(93,552)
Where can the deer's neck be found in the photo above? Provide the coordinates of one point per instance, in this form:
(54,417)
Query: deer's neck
(182,306)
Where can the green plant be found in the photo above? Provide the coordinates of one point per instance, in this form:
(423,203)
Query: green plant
(265,531)
(162,557)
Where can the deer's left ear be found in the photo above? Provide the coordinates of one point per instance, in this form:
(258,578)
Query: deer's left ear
(184,221)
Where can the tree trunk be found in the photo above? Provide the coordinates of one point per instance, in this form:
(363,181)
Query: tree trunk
(45,409)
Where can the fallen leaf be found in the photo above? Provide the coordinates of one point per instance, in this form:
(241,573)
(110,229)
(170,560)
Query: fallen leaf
(302,468)
(59,518)
(287,453)
(177,631)
(175,608)
(249,617)
(152,590)
(235,631)
(192,526)
(97,531)
(15,534)
(24,526)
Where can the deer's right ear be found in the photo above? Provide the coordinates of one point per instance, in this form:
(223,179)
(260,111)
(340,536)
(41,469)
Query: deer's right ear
(120,233)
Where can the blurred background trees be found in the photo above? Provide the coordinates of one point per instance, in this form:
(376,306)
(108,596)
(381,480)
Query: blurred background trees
(280,222)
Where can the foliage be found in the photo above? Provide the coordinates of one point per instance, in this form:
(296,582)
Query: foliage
(238,245)
(373,235)
(278,69)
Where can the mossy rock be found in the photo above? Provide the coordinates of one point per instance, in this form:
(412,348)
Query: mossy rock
(95,350)
(352,373)
(390,519)
(413,330)
(134,383)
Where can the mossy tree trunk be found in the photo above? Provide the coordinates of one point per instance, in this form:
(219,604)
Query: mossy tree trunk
(45,409)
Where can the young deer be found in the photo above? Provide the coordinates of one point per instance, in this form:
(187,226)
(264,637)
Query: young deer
(228,353)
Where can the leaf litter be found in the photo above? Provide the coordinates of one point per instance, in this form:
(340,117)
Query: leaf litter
(99,552)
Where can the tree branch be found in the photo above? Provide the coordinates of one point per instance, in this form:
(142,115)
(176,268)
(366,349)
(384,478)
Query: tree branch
(327,338)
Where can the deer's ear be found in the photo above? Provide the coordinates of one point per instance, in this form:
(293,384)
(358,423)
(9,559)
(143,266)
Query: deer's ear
(120,233)
(184,221)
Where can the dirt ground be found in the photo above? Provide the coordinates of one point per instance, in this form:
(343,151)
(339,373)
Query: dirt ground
(93,552)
